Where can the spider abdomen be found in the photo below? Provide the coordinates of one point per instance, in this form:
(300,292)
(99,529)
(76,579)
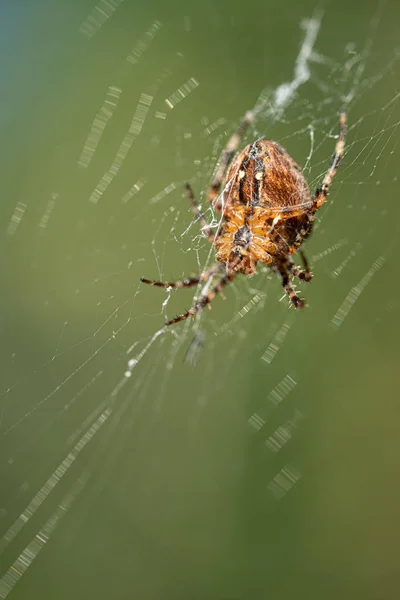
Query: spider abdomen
(264,174)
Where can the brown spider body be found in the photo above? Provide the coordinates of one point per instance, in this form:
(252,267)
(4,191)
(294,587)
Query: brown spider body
(263,182)
(266,213)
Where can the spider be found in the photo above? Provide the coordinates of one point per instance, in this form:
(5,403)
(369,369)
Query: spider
(267,212)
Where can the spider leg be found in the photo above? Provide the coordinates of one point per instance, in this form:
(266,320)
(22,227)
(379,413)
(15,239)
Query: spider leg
(204,300)
(204,226)
(307,270)
(225,159)
(322,192)
(295,271)
(285,271)
(189,282)
(305,274)
(311,207)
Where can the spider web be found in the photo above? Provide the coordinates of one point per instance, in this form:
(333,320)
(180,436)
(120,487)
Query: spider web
(206,452)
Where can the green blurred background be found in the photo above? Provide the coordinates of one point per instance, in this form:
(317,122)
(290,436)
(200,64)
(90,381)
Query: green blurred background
(253,453)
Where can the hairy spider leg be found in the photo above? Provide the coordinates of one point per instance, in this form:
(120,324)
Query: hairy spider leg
(204,225)
(225,160)
(303,274)
(189,282)
(295,271)
(204,300)
(322,192)
(215,187)
(310,210)
(286,268)
(307,271)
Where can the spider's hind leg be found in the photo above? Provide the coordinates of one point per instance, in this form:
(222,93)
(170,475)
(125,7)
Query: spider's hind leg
(285,271)
(303,274)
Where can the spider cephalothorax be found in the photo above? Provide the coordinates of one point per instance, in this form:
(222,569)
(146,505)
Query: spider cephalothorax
(267,211)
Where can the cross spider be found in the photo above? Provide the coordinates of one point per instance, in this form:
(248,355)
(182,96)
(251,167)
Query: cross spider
(267,212)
